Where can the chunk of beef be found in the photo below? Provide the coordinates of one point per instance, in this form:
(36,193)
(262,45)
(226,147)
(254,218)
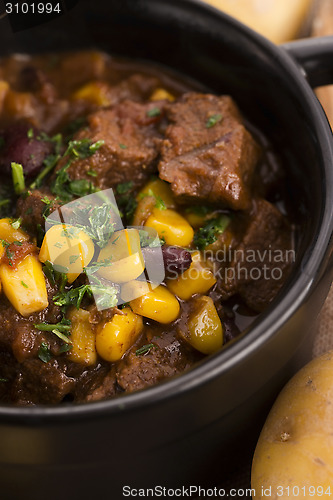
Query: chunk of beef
(262,262)
(130,149)
(32,208)
(169,357)
(41,383)
(21,145)
(137,88)
(207,152)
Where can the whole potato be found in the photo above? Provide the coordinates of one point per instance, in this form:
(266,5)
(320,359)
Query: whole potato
(294,454)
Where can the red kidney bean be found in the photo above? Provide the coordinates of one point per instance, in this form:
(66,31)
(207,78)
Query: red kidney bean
(21,145)
(176,259)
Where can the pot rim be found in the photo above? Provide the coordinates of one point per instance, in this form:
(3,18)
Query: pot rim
(305,277)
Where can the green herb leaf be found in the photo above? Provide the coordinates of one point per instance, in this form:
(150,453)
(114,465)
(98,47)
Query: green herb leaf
(153,112)
(213,120)
(30,133)
(63,326)
(24,284)
(3,379)
(18,178)
(44,353)
(124,187)
(122,146)
(16,224)
(145,349)
(208,234)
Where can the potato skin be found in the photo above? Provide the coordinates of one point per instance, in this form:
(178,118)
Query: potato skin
(295,447)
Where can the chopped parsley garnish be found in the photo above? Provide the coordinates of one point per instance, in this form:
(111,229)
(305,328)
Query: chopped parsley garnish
(199,210)
(30,133)
(16,224)
(124,187)
(207,234)
(64,326)
(54,277)
(105,295)
(97,222)
(160,204)
(92,173)
(63,186)
(153,112)
(147,240)
(18,178)
(122,146)
(61,329)
(4,202)
(24,284)
(49,163)
(73,259)
(3,379)
(44,353)
(213,120)
(145,349)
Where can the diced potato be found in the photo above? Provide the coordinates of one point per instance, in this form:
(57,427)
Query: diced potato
(197,279)
(160,190)
(68,248)
(123,257)
(205,332)
(171,226)
(83,338)
(158,304)
(115,337)
(162,95)
(9,234)
(25,285)
(95,92)
(19,104)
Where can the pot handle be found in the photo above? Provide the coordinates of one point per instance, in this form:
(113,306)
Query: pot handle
(315,56)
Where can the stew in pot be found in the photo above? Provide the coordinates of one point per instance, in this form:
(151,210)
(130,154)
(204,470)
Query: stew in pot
(198,193)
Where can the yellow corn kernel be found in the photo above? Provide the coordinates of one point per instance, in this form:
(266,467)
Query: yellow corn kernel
(205,332)
(95,92)
(171,226)
(162,95)
(158,304)
(68,248)
(160,190)
(25,286)
(9,234)
(115,337)
(197,279)
(83,338)
(4,87)
(123,257)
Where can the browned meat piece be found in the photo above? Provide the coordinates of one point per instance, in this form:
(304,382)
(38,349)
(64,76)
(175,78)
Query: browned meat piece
(207,152)
(102,388)
(41,383)
(137,87)
(168,358)
(32,208)
(131,146)
(261,263)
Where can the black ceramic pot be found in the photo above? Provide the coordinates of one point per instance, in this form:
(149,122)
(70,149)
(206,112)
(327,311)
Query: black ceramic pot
(184,430)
